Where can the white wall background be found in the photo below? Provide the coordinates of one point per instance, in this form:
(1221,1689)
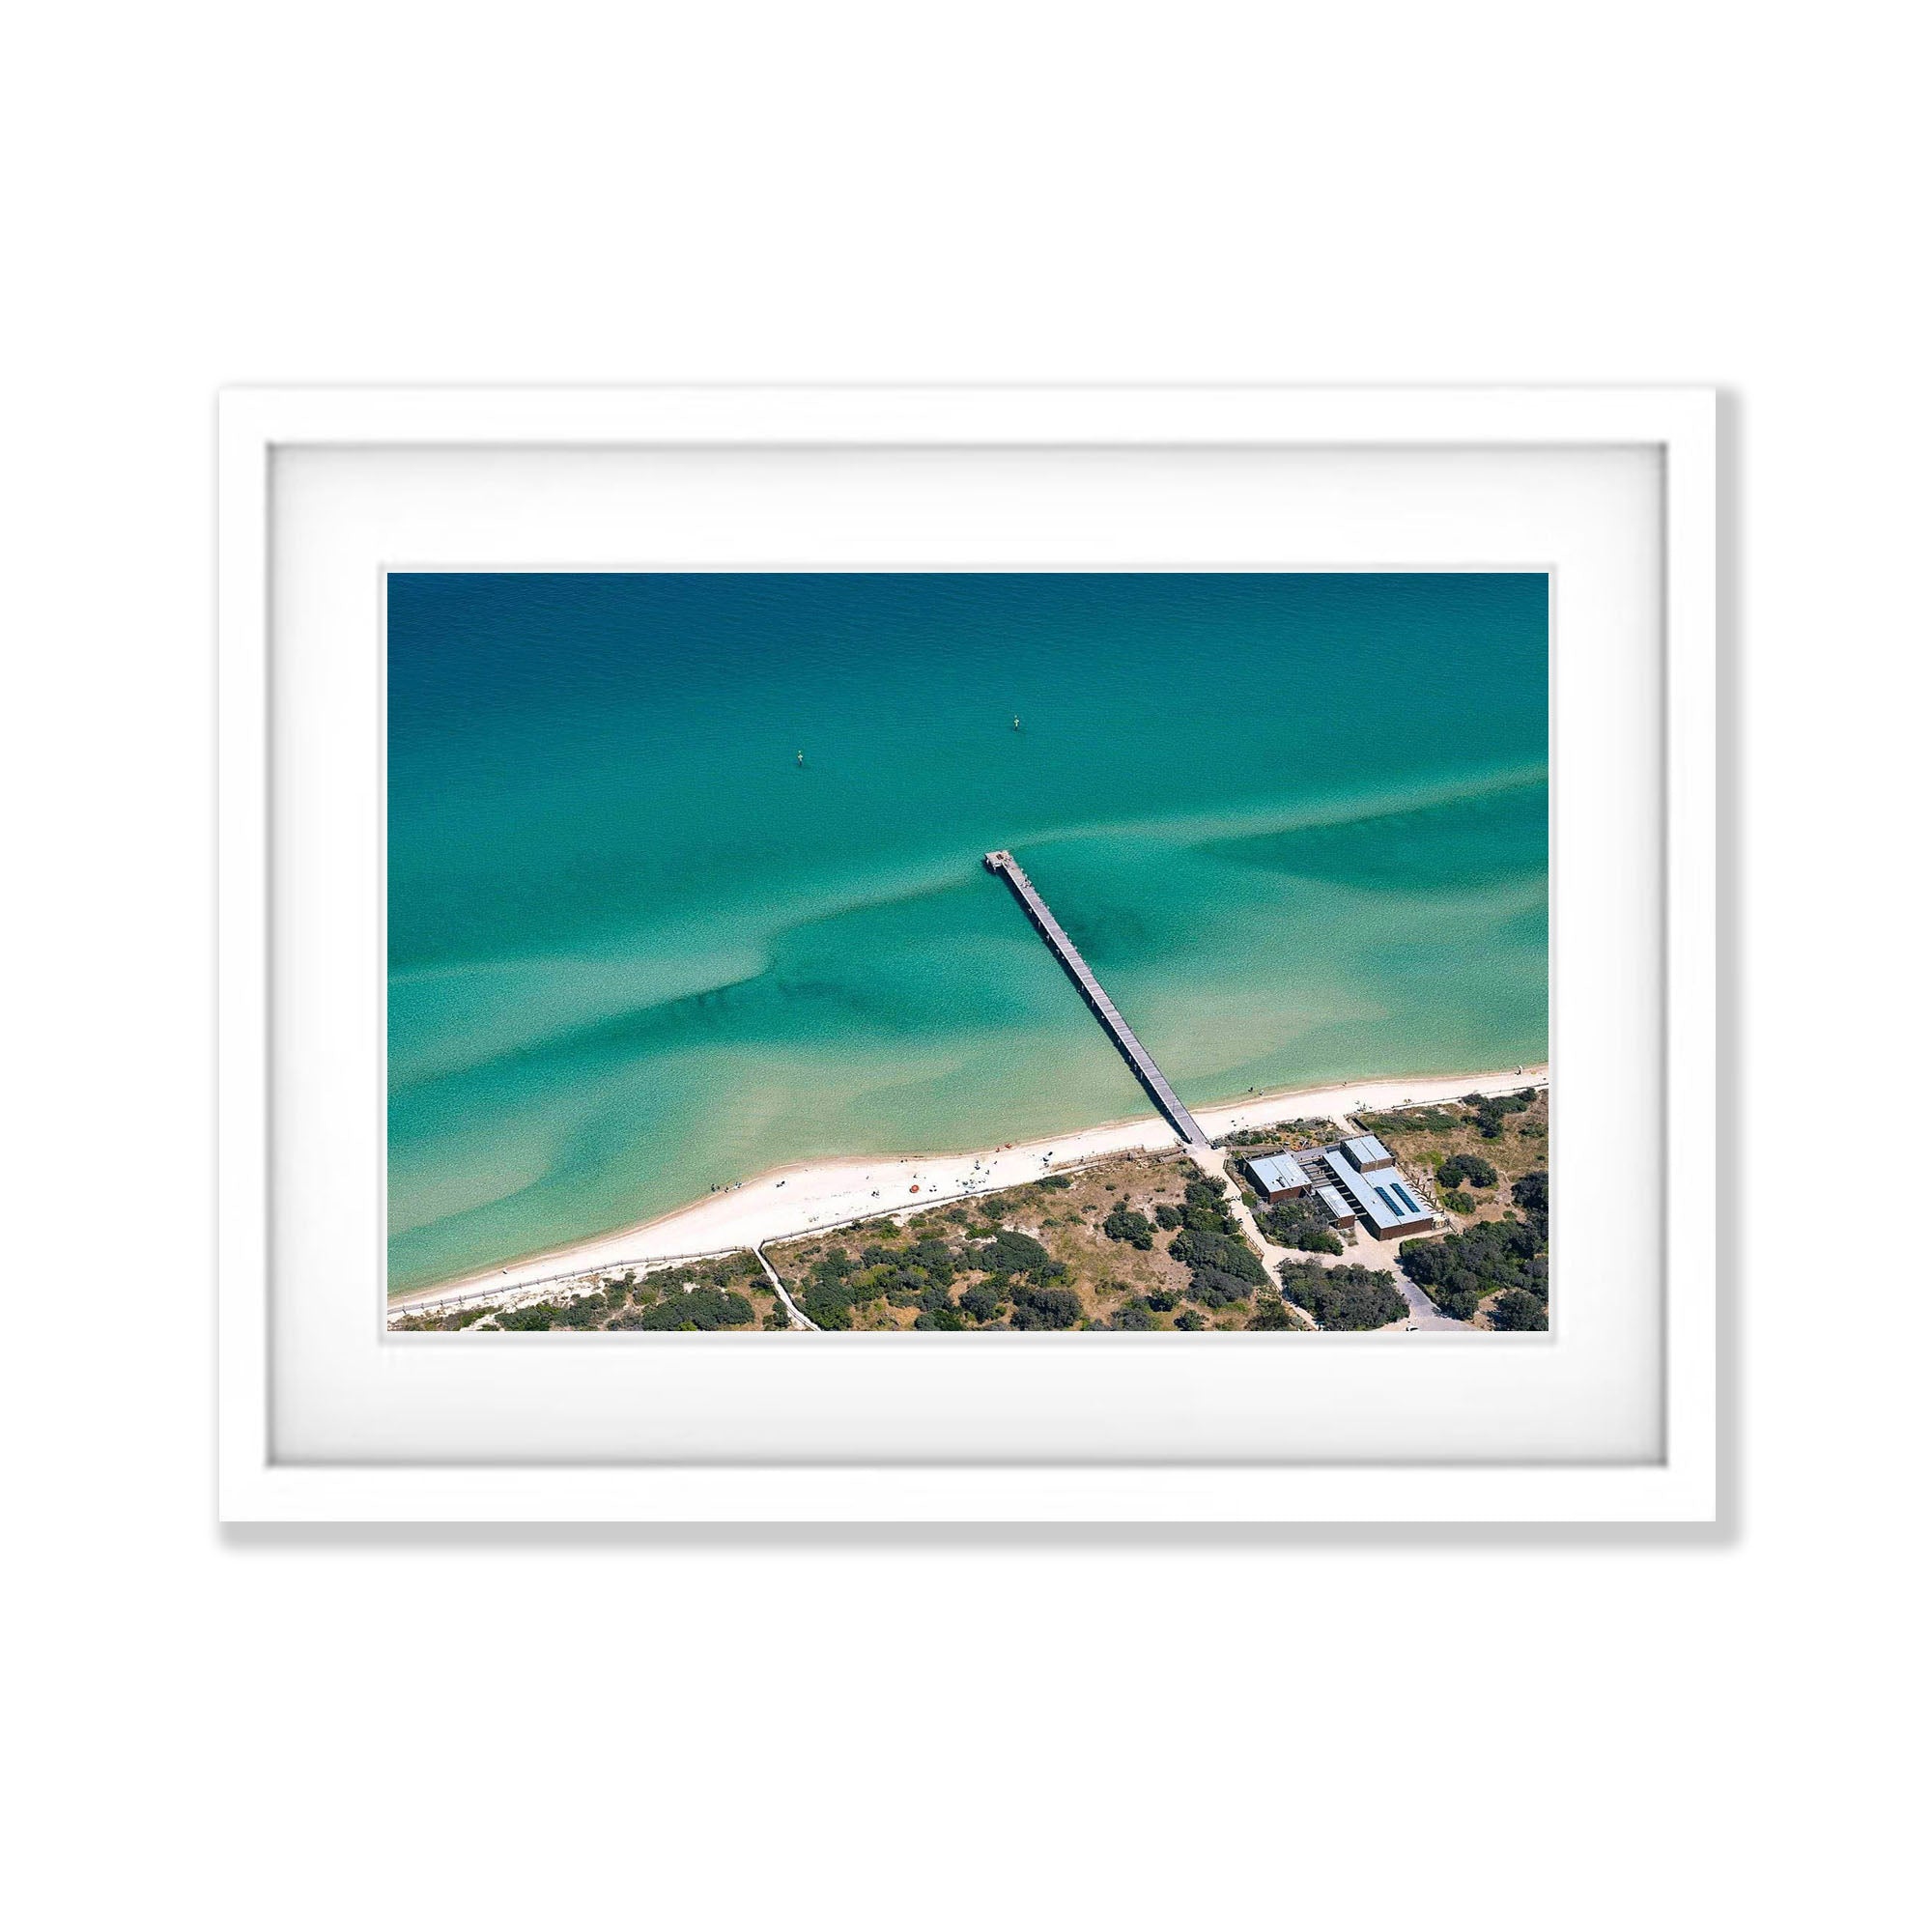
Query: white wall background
(1335,1730)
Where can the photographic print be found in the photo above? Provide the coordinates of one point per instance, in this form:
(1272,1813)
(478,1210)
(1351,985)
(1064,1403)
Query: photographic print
(968,952)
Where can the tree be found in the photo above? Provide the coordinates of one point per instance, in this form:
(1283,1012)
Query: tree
(1296,1224)
(1225,1253)
(1206,1210)
(1214,1288)
(1009,1252)
(539,1315)
(1271,1312)
(1469,1167)
(982,1302)
(1458,1270)
(1037,1307)
(1345,1297)
(700,1308)
(1124,1223)
(1517,1308)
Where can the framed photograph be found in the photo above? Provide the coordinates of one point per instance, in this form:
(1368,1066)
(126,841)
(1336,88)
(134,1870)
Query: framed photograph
(968,955)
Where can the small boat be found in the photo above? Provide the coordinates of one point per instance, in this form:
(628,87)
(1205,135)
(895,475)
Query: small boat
(801,759)
(1016,721)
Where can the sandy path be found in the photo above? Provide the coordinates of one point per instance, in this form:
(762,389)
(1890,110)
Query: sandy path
(794,1314)
(794,1200)
(1216,1166)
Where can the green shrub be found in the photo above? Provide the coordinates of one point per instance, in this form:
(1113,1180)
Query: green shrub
(1299,1224)
(1414,1120)
(1271,1312)
(823,1303)
(1459,1203)
(1456,1271)
(1035,1307)
(1345,1297)
(1206,1208)
(1469,1167)
(982,1302)
(1189,1321)
(1517,1308)
(1124,1224)
(1010,1253)
(700,1308)
(538,1314)
(1224,1251)
(1214,1288)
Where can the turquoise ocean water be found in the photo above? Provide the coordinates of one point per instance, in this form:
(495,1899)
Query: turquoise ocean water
(1297,823)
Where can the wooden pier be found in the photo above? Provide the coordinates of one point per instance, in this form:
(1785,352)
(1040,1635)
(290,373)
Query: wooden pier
(1008,867)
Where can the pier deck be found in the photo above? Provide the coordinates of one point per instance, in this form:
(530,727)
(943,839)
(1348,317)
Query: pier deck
(1008,867)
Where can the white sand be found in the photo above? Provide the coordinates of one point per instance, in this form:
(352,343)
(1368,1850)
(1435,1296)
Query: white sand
(795,1200)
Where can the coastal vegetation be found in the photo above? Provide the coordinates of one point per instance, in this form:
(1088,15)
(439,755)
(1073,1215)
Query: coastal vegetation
(1222,1267)
(1489,1155)
(1469,1167)
(1131,1243)
(1284,1136)
(1517,1308)
(1463,1156)
(1127,1224)
(697,1308)
(1488,1109)
(725,1291)
(1135,1243)
(439,1321)
(1343,1298)
(1508,1258)
(1299,1224)
(1439,1120)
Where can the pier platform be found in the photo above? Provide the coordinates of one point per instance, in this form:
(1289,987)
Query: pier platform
(1008,867)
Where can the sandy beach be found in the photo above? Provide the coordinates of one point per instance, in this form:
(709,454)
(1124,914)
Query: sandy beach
(795,1200)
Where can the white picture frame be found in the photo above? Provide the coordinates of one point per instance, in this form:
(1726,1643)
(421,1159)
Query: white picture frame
(1676,427)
